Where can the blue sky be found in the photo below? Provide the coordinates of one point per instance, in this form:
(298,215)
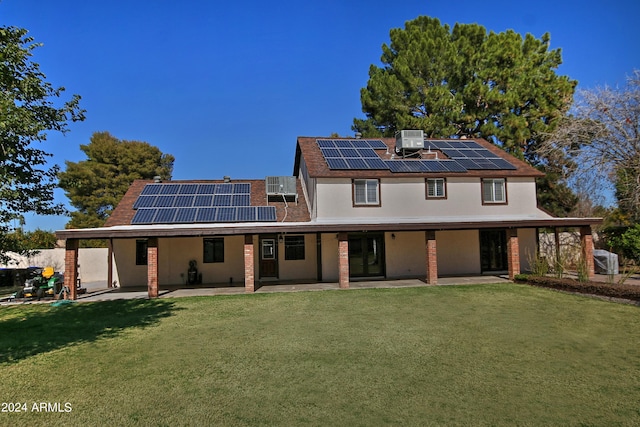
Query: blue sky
(226,87)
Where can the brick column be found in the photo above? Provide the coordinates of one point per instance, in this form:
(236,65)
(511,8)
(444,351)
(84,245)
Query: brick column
(513,253)
(249,270)
(586,242)
(71,267)
(152,267)
(343,260)
(432,257)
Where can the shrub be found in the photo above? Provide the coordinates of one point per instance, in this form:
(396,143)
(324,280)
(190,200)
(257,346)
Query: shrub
(631,292)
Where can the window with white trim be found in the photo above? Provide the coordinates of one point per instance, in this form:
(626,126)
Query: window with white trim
(436,188)
(366,192)
(494,190)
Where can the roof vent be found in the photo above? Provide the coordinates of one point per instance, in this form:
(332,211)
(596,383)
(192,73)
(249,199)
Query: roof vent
(157,178)
(226,178)
(409,140)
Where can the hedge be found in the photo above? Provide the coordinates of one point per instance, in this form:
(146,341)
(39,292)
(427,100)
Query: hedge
(630,292)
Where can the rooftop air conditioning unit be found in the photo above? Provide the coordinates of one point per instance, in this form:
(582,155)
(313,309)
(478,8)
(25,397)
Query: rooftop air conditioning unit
(410,140)
(282,186)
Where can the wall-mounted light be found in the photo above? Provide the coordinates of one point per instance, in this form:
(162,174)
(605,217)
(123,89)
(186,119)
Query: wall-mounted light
(393,236)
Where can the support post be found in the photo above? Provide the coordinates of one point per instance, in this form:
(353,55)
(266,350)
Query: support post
(513,253)
(586,243)
(152,267)
(249,270)
(343,260)
(110,263)
(432,257)
(71,267)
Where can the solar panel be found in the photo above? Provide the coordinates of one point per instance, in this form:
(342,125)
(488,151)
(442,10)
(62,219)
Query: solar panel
(330,152)
(169,188)
(226,215)
(356,164)
(474,154)
(203,200)
(185,215)
(184,201)
(349,152)
(164,201)
(247,213)
(376,163)
(467,144)
(397,166)
(222,200)
(434,166)
(467,163)
(454,154)
(223,189)
(144,202)
(206,215)
(342,143)
(150,189)
(376,143)
(188,189)
(439,145)
(359,143)
(322,143)
(206,189)
(452,166)
(242,188)
(144,216)
(503,164)
(368,153)
(164,215)
(337,163)
(266,213)
(486,164)
(241,200)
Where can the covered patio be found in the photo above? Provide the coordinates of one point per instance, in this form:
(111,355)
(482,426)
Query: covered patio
(251,232)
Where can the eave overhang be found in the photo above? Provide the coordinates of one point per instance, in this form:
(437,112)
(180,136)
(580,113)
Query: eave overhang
(129,232)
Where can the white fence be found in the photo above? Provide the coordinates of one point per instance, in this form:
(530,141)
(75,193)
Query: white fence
(92,262)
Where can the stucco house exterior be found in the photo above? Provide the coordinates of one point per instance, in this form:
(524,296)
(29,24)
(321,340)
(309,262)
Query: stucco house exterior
(404,207)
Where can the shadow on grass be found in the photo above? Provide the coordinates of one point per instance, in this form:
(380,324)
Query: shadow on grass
(35,329)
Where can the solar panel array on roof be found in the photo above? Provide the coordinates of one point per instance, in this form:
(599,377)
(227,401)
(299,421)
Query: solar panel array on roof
(167,195)
(173,203)
(470,155)
(204,215)
(359,154)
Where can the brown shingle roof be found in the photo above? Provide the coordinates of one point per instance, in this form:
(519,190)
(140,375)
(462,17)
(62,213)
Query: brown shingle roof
(307,148)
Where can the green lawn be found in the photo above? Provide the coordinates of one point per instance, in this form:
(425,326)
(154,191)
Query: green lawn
(452,355)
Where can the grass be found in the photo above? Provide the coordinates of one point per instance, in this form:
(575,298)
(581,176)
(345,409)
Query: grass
(456,355)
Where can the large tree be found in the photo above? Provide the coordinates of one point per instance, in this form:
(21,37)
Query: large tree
(95,186)
(601,136)
(466,82)
(29,108)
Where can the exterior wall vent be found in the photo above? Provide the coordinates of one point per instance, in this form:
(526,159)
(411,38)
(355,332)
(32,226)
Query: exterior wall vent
(409,140)
(281,186)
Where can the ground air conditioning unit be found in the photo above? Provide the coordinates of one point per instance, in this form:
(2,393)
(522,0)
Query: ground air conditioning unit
(409,140)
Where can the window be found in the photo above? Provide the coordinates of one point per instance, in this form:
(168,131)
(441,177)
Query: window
(494,191)
(293,247)
(141,252)
(436,188)
(366,192)
(213,250)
